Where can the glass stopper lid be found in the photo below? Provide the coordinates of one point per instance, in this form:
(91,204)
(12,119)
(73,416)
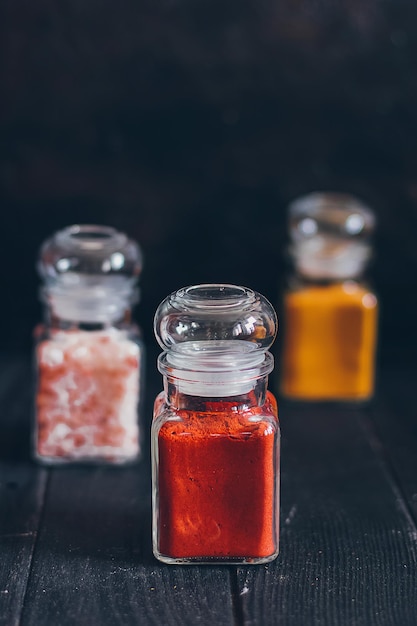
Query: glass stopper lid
(215,313)
(89,272)
(88,249)
(336,214)
(330,234)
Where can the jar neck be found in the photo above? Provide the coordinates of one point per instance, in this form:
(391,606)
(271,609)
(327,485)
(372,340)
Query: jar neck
(298,281)
(177,399)
(327,259)
(215,369)
(55,322)
(94,302)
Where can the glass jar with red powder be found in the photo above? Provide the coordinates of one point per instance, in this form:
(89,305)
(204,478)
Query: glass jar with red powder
(88,353)
(215,433)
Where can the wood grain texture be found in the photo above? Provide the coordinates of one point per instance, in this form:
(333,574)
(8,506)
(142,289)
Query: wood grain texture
(349,550)
(76,547)
(93,562)
(394,430)
(22,489)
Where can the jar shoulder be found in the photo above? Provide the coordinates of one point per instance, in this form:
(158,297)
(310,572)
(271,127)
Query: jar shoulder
(255,421)
(54,347)
(338,295)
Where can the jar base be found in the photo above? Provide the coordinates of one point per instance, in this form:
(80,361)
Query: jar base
(216,560)
(61,461)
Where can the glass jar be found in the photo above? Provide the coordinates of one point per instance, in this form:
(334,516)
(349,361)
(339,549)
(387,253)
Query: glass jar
(88,353)
(329,310)
(215,433)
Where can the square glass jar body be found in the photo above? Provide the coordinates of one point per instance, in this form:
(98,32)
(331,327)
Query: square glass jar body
(329,342)
(87,395)
(215,475)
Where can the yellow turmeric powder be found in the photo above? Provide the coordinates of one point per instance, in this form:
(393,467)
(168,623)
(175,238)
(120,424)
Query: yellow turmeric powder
(329,342)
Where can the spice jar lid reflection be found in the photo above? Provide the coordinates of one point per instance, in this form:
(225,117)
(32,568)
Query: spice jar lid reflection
(89,272)
(330,235)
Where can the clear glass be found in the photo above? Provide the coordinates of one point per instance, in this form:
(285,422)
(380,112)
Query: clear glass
(89,273)
(215,466)
(215,433)
(89,356)
(215,312)
(330,235)
(330,313)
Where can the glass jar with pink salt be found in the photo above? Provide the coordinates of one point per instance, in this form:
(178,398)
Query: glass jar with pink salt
(88,353)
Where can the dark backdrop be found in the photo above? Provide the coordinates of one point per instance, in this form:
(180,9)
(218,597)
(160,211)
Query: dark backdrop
(191,124)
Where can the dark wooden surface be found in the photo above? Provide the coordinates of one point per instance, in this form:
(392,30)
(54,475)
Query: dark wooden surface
(76,542)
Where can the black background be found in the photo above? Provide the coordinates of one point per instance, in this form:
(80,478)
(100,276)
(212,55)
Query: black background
(190,125)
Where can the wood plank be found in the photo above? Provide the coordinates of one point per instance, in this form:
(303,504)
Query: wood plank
(348,540)
(394,433)
(93,561)
(348,549)
(22,488)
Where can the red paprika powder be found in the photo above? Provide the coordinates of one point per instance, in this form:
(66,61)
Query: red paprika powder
(215,435)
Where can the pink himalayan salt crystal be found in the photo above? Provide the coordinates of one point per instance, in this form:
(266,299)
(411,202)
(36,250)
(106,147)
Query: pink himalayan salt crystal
(87,396)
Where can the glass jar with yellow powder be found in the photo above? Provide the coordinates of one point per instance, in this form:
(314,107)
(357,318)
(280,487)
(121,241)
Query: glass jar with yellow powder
(330,312)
